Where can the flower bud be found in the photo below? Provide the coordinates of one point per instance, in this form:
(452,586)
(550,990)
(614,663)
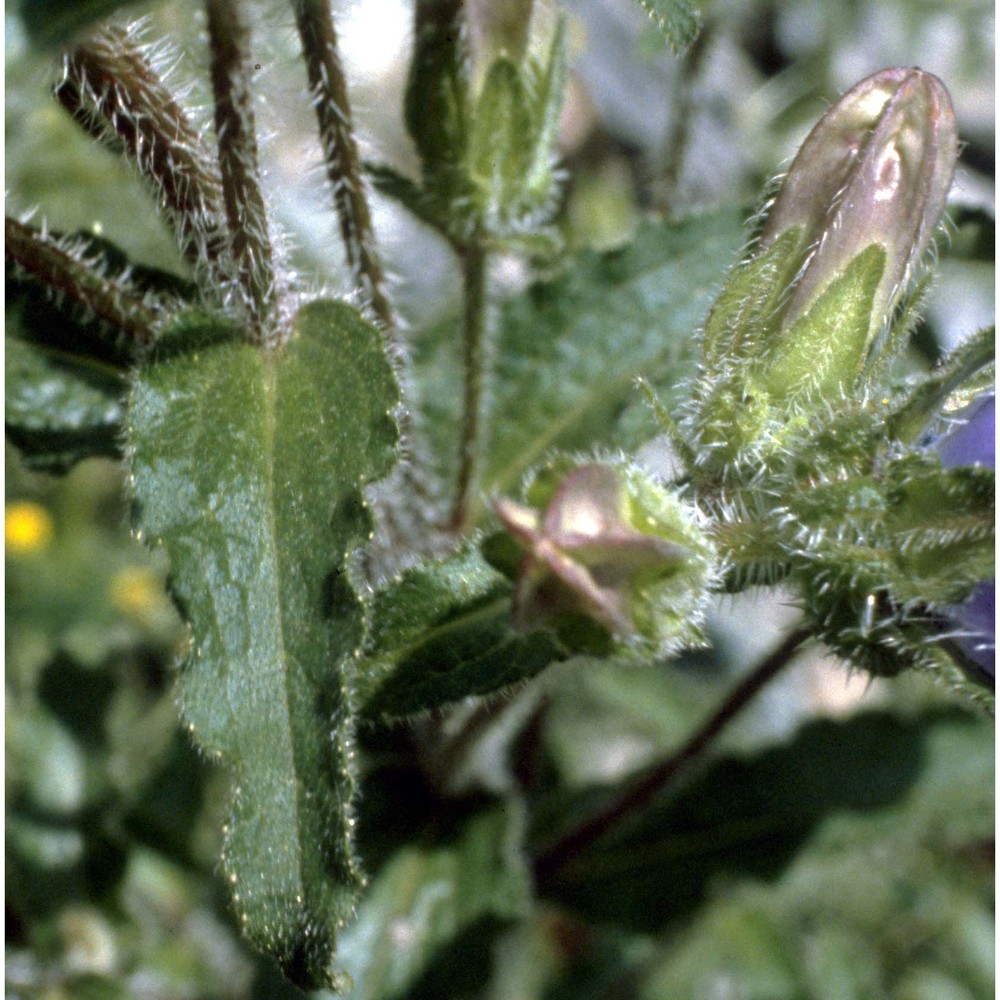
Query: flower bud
(607,543)
(801,317)
(876,168)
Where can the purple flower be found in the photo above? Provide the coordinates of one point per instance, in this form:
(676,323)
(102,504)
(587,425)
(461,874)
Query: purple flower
(973,622)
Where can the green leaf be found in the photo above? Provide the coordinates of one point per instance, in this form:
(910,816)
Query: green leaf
(52,22)
(66,369)
(570,349)
(741,817)
(248,468)
(869,900)
(60,409)
(409,194)
(677,19)
(420,928)
(443,632)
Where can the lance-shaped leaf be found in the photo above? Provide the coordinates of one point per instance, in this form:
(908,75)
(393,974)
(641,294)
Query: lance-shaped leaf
(248,466)
(443,632)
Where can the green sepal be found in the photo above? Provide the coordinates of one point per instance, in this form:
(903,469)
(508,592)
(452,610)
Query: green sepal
(913,540)
(964,374)
(428,209)
(248,468)
(824,352)
(746,308)
(442,632)
(546,86)
(500,144)
(677,19)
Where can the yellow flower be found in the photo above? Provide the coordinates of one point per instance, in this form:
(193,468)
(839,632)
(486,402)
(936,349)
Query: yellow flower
(27,527)
(135,590)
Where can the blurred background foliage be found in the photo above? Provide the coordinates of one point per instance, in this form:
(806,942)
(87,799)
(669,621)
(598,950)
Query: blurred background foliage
(840,842)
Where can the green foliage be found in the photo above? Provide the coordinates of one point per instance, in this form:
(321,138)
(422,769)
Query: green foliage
(458,731)
(52,22)
(237,471)
(557,385)
(741,817)
(432,906)
(442,633)
(57,411)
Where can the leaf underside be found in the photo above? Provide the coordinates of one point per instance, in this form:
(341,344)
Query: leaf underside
(248,467)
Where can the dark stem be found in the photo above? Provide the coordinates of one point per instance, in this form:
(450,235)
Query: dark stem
(555,858)
(340,151)
(475,322)
(64,274)
(113,93)
(236,136)
(666,183)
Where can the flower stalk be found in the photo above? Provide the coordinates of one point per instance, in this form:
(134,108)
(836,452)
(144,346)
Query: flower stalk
(340,151)
(250,243)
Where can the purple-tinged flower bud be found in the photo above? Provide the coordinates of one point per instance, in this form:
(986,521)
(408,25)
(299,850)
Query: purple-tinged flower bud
(972,624)
(874,170)
(608,543)
(808,316)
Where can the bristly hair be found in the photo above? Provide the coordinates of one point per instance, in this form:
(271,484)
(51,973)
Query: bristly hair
(112,87)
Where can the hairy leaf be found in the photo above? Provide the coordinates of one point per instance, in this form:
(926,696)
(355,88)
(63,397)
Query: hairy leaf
(248,467)
(443,632)
(571,349)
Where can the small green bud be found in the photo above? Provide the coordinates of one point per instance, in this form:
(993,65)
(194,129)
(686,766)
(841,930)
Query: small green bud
(606,542)
(484,113)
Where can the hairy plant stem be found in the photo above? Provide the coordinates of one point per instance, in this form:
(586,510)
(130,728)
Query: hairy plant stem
(250,244)
(340,152)
(475,360)
(114,94)
(667,181)
(64,274)
(554,859)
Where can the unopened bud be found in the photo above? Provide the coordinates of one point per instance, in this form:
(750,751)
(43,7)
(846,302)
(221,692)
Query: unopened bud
(854,214)
(606,542)
(875,169)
